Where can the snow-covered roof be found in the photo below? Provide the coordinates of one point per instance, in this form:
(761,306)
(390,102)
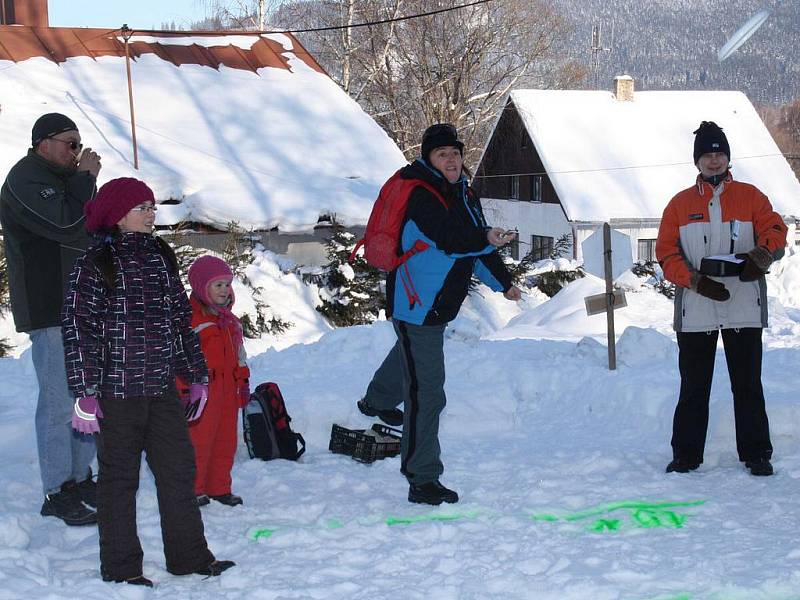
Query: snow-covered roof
(264,146)
(625,159)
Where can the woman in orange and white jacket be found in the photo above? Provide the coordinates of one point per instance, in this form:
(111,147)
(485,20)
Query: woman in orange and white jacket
(214,434)
(719,216)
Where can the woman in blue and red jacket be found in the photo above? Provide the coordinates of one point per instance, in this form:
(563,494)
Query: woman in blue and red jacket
(424,294)
(214,433)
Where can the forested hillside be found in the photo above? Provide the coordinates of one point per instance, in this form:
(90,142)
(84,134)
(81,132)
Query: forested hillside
(673,45)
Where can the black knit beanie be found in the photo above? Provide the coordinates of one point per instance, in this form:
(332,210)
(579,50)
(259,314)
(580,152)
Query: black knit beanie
(436,136)
(49,125)
(710,138)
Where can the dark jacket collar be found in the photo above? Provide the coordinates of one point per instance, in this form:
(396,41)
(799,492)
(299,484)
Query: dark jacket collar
(420,169)
(50,166)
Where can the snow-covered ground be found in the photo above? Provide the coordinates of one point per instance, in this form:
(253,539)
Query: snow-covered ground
(559,463)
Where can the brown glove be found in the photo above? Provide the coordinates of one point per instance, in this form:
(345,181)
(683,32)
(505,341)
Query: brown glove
(709,288)
(756,263)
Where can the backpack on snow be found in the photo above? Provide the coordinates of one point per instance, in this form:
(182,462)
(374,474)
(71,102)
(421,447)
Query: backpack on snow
(382,237)
(265,425)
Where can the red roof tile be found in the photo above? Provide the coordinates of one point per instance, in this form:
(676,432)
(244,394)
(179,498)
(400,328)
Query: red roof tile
(18,43)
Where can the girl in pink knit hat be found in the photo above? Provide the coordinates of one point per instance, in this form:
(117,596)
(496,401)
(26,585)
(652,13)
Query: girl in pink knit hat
(220,332)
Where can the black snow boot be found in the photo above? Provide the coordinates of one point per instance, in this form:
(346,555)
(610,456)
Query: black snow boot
(216,568)
(87,489)
(202,500)
(760,467)
(67,506)
(228,499)
(679,465)
(431,493)
(392,416)
(138,580)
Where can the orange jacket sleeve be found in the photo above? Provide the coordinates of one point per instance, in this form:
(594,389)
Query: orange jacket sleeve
(668,248)
(769,227)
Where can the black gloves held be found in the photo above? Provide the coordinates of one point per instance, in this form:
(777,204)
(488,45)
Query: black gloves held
(756,263)
(711,289)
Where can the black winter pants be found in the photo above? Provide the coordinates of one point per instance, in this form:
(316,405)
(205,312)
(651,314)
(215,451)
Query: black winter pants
(696,352)
(157,426)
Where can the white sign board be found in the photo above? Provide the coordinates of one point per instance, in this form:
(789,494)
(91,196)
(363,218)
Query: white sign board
(621,255)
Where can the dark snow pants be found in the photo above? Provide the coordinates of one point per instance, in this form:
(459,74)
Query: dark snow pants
(413,374)
(743,352)
(157,426)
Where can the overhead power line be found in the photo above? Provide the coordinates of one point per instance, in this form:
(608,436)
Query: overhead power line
(429,13)
(392,20)
(621,168)
(328,28)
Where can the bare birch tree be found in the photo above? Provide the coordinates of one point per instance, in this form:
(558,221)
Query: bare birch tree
(455,66)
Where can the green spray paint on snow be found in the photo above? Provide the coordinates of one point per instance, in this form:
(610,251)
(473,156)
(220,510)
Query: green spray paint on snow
(644,515)
(262,532)
(431,517)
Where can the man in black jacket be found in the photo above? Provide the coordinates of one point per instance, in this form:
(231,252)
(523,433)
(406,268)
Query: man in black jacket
(41,212)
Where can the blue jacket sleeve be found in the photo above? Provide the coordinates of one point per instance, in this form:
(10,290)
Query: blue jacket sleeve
(492,271)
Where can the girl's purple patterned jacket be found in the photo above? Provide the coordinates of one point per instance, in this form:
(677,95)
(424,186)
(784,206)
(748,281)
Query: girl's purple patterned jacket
(131,341)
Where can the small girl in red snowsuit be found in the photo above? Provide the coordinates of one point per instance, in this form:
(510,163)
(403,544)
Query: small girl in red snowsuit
(214,434)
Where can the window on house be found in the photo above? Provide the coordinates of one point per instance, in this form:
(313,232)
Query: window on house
(514,193)
(541,247)
(514,247)
(536,188)
(647,250)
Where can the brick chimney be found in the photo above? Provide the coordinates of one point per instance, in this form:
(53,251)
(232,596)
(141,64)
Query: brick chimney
(623,88)
(32,13)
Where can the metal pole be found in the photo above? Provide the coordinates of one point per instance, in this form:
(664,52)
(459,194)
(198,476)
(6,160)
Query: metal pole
(612,348)
(126,34)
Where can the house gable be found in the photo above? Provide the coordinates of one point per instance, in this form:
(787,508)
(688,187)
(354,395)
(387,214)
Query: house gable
(510,167)
(612,159)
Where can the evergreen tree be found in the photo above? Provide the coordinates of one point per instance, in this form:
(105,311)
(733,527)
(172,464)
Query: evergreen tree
(238,252)
(655,277)
(351,294)
(551,282)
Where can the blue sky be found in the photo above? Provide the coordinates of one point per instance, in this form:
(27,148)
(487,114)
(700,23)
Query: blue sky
(145,14)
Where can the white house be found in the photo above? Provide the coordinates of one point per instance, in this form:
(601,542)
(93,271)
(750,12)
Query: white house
(562,162)
(241,127)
